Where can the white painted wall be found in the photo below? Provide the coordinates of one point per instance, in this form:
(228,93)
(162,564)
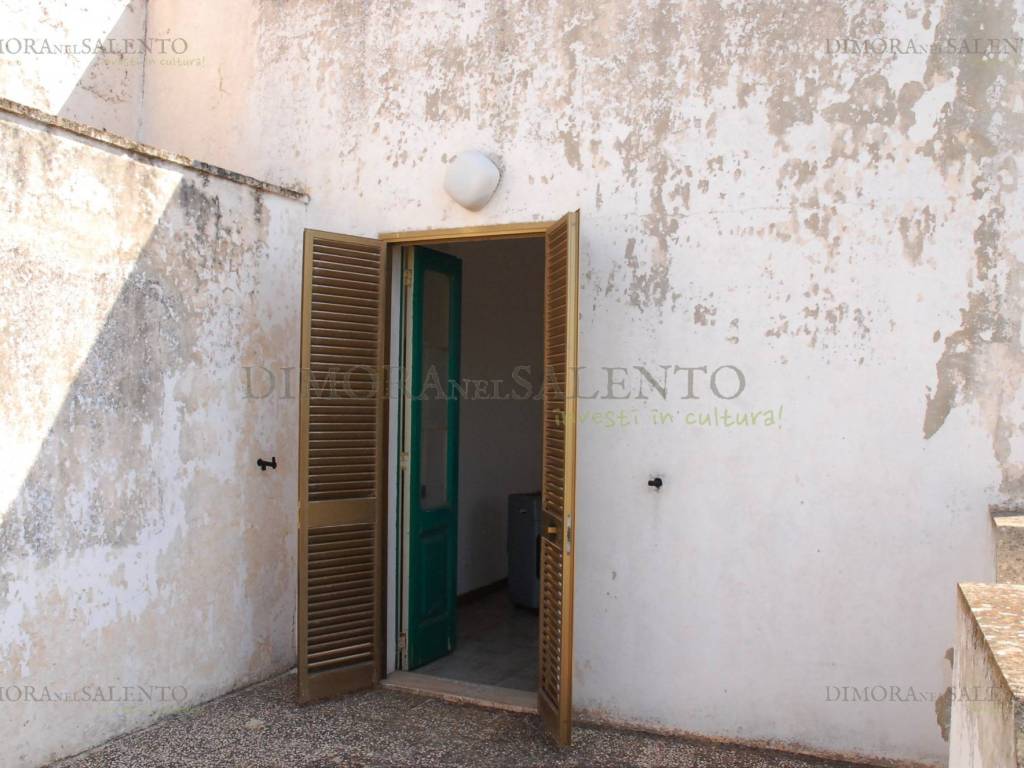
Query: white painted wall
(840,227)
(141,550)
(844,228)
(499,439)
(80,59)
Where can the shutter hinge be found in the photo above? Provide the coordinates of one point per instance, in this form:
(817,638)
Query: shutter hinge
(407,277)
(568,534)
(403,460)
(403,641)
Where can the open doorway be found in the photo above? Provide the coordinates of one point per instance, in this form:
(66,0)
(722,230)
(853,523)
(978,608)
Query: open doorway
(472,448)
(375,556)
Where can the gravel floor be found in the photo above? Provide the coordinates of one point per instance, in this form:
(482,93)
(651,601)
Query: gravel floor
(264,726)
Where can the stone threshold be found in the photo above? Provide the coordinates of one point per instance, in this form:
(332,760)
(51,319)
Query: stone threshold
(144,150)
(461,692)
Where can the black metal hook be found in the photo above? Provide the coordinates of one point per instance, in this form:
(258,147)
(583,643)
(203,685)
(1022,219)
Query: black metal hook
(263,464)
(656,483)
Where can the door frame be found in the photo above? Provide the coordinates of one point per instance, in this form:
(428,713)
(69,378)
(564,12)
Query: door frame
(396,244)
(461,234)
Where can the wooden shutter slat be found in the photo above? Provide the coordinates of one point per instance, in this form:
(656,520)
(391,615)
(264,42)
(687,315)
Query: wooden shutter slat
(341,554)
(340,465)
(554,689)
(344,271)
(343,343)
(328,321)
(349,310)
(345,257)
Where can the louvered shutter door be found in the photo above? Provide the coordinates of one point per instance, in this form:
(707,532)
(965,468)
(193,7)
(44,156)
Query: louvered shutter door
(554,690)
(340,464)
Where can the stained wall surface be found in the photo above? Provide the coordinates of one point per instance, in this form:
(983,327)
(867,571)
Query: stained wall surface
(146,564)
(839,225)
(84,60)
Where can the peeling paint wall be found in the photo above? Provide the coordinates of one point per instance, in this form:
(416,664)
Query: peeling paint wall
(843,227)
(140,547)
(79,59)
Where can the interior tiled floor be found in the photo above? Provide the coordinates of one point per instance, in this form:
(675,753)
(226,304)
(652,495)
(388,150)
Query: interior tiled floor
(496,644)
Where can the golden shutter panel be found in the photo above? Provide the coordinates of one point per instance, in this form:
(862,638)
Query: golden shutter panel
(561,321)
(341,471)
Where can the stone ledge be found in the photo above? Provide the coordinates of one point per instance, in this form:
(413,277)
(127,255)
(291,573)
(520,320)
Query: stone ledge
(987,728)
(112,139)
(1009,526)
(998,611)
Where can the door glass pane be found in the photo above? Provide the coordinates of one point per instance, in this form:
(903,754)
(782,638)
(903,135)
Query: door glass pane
(434,391)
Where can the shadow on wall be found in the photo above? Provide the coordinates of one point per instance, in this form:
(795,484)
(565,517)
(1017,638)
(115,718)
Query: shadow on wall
(139,544)
(109,91)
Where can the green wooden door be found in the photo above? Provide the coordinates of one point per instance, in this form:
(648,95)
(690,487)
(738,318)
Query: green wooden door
(434,452)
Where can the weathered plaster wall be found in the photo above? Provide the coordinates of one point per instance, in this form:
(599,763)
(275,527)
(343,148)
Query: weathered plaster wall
(80,59)
(985,728)
(139,544)
(1009,533)
(843,227)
